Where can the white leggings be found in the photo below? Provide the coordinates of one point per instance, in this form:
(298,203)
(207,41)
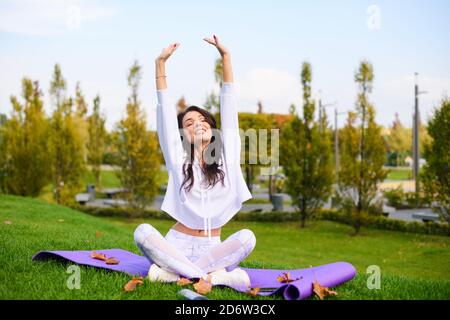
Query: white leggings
(192,256)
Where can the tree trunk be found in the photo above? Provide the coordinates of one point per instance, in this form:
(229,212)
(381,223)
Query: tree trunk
(303,218)
(357,223)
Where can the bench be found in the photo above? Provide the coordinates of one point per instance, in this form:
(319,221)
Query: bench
(426,217)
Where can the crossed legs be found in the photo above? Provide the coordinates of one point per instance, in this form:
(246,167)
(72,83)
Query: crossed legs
(167,256)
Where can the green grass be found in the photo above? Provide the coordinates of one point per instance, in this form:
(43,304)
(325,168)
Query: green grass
(264,201)
(108,179)
(399,174)
(413,266)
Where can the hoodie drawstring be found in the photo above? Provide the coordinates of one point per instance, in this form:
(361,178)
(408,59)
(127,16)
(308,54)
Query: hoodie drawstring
(206,219)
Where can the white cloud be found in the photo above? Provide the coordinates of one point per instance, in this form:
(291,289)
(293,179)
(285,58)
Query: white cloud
(49,17)
(276,89)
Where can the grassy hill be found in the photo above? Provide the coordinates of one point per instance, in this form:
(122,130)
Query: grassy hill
(412,266)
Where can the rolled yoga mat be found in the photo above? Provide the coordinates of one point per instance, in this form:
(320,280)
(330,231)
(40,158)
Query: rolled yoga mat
(328,275)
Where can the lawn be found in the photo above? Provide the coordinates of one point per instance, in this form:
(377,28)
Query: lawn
(413,266)
(399,174)
(108,179)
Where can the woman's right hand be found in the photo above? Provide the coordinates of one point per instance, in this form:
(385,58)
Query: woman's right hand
(167,52)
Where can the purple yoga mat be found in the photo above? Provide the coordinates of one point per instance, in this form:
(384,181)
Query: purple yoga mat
(329,275)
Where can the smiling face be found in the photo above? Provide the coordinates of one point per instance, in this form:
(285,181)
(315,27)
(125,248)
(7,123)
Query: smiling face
(196,128)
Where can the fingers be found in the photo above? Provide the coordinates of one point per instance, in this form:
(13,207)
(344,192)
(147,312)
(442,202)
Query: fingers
(216,39)
(210,41)
(173,46)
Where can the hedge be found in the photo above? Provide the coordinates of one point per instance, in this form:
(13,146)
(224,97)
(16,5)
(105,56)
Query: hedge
(376,222)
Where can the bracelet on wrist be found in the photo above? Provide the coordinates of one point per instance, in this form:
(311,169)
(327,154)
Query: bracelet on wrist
(160,77)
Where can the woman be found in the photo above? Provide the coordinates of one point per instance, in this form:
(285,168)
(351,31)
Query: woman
(205,188)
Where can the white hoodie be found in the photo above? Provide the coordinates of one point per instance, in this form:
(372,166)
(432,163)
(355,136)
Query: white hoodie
(202,208)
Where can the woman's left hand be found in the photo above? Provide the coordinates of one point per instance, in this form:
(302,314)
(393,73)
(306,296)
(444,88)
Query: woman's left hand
(215,42)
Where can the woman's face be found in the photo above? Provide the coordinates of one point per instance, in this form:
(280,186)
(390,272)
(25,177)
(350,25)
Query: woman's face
(196,128)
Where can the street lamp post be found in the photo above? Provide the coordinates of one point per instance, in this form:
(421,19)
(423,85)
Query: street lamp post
(416,124)
(322,110)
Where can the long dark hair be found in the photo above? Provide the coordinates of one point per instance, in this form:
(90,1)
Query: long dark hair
(212,171)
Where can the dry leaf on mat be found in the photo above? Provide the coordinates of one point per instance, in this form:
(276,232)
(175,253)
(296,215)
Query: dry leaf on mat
(286,278)
(183,282)
(131,285)
(202,286)
(322,291)
(253,292)
(112,261)
(98,256)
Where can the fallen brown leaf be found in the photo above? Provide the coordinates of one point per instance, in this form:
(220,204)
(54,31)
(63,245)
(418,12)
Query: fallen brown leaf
(8,222)
(202,286)
(322,291)
(112,260)
(131,285)
(286,278)
(183,282)
(98,256)
(253,292)
(98,234)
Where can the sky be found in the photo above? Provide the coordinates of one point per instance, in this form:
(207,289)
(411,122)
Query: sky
(95,42)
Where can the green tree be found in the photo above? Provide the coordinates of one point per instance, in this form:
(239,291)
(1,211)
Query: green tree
(305,153)
(399,141)
(139,163)
(436,172)
(65,144)
(362,154)
(3,120)
(252,125)
(96,141)
(24,159)
(80,118)
(212,102)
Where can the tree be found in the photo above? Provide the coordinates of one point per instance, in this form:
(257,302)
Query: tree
(306,156)
(65,144)
(139,164)
(399,141)
(436,172)
(212,100)
(292,109)
(24,159)
(252,125)
(362,154)
(81,120)
(96,141)
(181,105)
(260,107)
(3,119)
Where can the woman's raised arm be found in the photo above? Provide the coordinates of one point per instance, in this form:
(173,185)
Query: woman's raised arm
(229,123)
(166,122)
(160,65)
(226,58)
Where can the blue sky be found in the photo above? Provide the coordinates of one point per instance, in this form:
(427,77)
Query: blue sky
(95,42)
